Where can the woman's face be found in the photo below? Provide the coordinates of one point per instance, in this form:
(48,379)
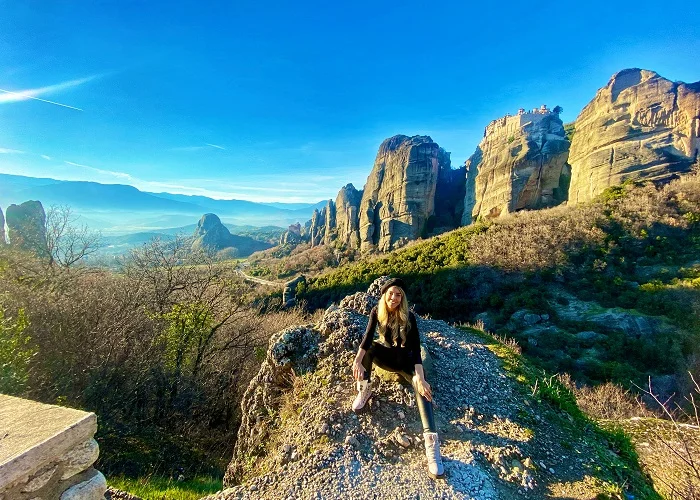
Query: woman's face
(393,298)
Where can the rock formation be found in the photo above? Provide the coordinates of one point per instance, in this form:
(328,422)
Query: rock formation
(211,235)
(639,126)
(317,228)
(330,219)
(411,192)
(26,227)
(517,165)
(2,228)
(399,196)
(290,291)
(292,236)
(347,217)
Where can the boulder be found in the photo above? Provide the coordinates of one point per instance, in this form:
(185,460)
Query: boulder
(629,321)
(290,291)
(519,164)
(639,126)
(485,319)
(588,336)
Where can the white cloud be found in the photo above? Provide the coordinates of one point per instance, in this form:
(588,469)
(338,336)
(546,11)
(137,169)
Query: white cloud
(22,95)
(6,151)
(198,148)
(45,157)
(111,173)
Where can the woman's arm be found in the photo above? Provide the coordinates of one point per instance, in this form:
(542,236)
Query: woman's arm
(358,371)
(369,332)
(421,384)
(413,339)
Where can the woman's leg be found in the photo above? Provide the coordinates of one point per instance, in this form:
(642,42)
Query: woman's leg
(387,358)
(394,360)
(425,408)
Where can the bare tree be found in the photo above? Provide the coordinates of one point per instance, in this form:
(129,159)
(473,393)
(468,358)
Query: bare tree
(67,242)
(681,442)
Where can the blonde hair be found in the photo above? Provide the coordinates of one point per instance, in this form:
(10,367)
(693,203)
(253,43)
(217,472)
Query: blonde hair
(397,320)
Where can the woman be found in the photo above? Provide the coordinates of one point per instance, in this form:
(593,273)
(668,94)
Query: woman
(398,350)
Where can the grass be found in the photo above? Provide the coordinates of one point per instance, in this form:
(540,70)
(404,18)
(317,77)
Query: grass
(618,468)
(163,488)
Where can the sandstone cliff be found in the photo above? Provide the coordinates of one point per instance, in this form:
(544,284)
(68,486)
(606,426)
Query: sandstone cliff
(399,196)
(639,126)
(26,227)
(213,236)
(517,165)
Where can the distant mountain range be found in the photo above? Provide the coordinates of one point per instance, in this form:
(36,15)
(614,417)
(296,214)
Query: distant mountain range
(121,209)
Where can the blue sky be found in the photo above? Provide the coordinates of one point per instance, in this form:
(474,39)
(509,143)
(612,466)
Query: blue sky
(288,101)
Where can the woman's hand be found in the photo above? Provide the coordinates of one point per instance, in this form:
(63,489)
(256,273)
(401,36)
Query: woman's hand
(423,387)
(358,371)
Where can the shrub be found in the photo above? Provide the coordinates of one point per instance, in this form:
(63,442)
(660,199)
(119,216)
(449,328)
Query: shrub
(16,352)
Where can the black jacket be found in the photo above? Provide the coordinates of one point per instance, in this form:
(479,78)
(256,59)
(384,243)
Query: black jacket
(412,336)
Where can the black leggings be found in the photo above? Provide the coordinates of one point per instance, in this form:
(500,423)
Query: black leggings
(398,360)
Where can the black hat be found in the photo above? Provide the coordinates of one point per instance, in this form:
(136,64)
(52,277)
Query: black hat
(392,282)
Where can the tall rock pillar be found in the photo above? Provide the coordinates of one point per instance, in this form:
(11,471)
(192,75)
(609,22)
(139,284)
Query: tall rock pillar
(399,195)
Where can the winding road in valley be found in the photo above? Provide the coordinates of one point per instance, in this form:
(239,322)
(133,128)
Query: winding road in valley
(260,281)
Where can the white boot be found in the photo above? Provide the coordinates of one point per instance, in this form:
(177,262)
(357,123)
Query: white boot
(432,451)
(364,392)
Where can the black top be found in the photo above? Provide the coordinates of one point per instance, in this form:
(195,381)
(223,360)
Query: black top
(412,336)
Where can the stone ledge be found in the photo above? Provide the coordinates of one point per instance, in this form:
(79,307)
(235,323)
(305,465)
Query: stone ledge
(33,435)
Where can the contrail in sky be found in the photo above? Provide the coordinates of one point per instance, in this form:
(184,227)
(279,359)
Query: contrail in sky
(215,146)
(25,96)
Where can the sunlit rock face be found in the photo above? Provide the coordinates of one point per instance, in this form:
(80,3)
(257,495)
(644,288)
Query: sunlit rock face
(521,163)
(399,196)
(347,216)
(26,227)
(639,126)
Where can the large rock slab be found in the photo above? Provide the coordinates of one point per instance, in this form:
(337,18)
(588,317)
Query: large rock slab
(639,126)
(518,165)
(47,451)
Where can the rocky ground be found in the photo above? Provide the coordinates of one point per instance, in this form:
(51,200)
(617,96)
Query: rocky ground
(300,439)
